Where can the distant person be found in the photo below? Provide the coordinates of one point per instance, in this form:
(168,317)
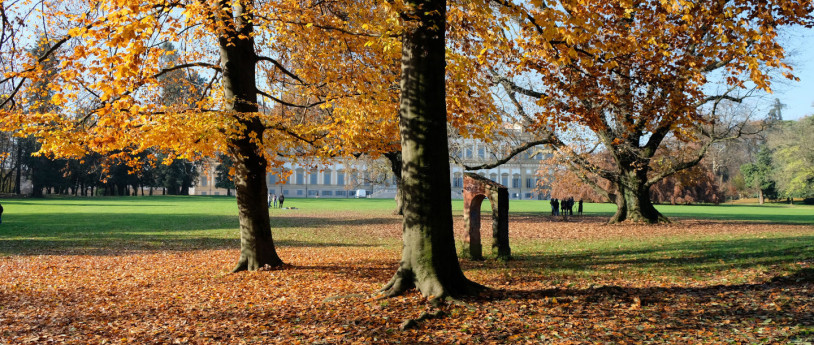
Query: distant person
(571,206)
(579,207)
(553,208)
(556,207)
(564,207)
(282,198)
(1,213)
(274,200)
(269,200)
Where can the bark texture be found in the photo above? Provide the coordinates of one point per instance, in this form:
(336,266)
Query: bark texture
(238,60)
(429,261)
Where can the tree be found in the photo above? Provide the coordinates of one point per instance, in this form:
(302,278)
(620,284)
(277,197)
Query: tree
(631,75)
(273,82)
(223,179)
(758,175)
(793,158)
(429,261)
(110,64)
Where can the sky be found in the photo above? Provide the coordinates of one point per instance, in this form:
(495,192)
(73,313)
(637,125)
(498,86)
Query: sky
(798,96)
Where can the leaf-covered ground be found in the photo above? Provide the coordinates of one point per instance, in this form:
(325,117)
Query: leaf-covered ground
(577,282)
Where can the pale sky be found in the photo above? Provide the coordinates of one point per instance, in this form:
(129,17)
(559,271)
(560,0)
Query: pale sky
(798,96)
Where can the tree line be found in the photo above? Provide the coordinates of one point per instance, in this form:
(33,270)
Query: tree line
(95,174)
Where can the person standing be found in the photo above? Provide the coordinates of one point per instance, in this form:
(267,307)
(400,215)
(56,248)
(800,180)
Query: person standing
(269,199)
(564,207)
(556,207)
(553,208)
(281,199)
(579,207)
(274,200)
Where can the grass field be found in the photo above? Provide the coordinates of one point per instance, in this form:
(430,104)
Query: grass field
(154,270)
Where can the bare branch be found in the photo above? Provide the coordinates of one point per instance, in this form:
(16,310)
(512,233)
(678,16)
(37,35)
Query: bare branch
(281,68)
(187,65)
(289,104)
(514,152)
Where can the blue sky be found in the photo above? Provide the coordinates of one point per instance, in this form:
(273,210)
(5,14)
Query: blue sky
(798,96)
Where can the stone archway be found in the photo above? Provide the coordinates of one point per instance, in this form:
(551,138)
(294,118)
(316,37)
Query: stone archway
(477,188)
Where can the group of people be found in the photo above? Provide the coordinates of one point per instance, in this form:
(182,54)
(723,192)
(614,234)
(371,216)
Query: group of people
(275,201)
(565,207)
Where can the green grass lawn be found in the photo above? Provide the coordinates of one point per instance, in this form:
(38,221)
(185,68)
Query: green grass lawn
(190,222)
(110,225)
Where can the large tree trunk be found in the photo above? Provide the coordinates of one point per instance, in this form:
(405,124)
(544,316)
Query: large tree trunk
(429,261)
(238,61)
(633,199)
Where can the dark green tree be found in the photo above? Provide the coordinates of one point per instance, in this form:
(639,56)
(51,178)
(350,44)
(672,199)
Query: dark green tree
(222,177)
(758,175)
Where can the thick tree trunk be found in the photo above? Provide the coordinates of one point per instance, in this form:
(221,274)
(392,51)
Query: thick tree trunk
(633,199)
(429,261)
(238,61)
(760,196)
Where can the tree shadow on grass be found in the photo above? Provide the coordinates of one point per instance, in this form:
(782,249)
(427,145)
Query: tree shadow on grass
(687,255)
(111,234)
(294,222)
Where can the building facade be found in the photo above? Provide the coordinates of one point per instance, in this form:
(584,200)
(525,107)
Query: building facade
(373,179)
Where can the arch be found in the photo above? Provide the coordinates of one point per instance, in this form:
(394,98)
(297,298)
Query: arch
(477,188)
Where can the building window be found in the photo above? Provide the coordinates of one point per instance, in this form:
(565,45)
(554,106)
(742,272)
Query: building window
(457,181)
(481,153)
(327,193)
(203,193)
(272,179)
(300,177)
(504,180)
(340,178)
(341,193)
(516,181)
(299,191)
(313,192)
(314,177)
(326,177)
(286,192)
(493,177)
(468,152)
(217,193)
(204,181)
(530,183)
(528,195)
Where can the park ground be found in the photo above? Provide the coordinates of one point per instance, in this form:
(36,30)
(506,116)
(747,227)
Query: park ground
(155,270)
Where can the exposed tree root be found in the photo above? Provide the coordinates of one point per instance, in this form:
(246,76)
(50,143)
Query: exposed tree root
(243,265)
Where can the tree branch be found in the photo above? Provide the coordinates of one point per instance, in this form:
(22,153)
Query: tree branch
(281,68)
(307,106)
(514,152)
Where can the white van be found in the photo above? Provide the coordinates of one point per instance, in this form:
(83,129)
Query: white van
(361,193)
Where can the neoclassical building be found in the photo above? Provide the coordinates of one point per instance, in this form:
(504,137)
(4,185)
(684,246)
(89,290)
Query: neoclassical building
(372,178)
